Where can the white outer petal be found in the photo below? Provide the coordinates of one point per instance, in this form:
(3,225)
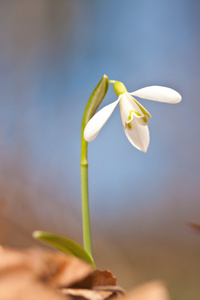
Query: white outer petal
(158,93)
(138,136)
(95,124)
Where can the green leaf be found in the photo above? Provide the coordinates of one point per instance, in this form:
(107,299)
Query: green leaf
(63,244)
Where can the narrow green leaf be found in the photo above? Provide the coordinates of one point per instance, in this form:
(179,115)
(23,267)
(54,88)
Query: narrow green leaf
(63,244)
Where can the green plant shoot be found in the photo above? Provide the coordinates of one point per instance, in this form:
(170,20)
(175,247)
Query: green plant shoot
(59,242)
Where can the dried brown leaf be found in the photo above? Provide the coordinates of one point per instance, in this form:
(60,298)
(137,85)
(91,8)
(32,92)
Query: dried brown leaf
(102,278)
(54,267)
(98,293)
(20,285)
(87,294)
(97,278)
(115,289)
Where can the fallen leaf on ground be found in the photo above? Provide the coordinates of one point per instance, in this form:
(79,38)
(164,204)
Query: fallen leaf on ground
(88,294)
(37,274)
(54,267)
(96,278)
(20,285)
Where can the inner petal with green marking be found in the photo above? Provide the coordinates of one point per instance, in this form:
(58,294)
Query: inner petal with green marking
(142,108)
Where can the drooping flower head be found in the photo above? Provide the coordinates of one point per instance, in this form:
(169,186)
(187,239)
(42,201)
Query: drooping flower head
(134,116)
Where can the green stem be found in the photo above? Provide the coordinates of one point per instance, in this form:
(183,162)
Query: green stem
(91,107)
(85,204)
(85,196)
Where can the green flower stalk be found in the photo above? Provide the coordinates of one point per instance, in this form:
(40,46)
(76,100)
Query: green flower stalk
(94,101)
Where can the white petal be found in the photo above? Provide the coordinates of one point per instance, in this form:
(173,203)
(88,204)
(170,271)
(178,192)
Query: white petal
(158,93)
(138,135)
(95,124)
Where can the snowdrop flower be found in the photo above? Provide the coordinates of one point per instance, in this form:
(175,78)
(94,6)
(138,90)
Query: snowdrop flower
(134,116)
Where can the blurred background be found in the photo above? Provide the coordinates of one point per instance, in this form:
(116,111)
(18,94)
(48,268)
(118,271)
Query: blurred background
(52,55)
